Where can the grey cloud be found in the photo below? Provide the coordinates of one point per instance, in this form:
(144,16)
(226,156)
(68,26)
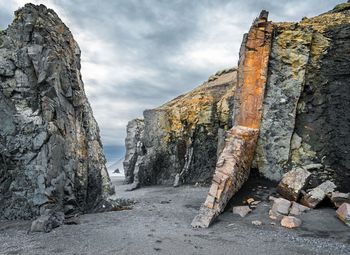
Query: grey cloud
(156,40)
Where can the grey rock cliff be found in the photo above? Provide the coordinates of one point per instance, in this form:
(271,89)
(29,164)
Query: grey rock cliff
(305,120)
(51,160)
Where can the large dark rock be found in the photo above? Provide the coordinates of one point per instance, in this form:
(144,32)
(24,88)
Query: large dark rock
(51,159)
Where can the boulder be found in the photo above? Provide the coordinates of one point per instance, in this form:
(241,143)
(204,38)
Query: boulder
(343,213)
(241,210)
(292,183)
(290,222)
(47,221)
(316,195)
(338,198)
(297,209)
(279,208)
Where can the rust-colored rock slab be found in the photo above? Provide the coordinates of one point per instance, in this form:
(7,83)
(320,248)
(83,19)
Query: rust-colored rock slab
(253,74)
(232,170)
(233,165)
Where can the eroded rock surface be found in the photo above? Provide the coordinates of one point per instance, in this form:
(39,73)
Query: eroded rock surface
(304,114)
(182,138)
(293,183)
(51,160)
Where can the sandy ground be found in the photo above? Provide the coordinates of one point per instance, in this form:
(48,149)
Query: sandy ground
(160,224)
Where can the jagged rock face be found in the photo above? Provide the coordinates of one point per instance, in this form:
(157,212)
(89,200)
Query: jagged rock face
(50,150)
(305,117)
(183,136)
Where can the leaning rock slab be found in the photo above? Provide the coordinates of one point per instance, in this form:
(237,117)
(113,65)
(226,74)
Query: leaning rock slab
(292,183)
(316,195)
(290,222)
(343,213)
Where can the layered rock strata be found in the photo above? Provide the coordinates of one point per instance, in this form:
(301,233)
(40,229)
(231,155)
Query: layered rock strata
(51,159)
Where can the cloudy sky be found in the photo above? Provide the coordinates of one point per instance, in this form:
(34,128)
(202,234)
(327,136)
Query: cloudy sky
(138,54)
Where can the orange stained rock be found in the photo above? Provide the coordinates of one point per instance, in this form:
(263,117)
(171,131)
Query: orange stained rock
(233,165)
(254,68)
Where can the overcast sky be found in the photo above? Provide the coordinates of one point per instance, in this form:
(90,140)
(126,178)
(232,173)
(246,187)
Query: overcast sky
(139,54)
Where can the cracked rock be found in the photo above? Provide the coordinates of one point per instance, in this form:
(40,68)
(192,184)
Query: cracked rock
(292,183)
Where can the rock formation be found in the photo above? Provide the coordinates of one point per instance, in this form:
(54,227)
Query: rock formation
(180,140)
(51,160)
(233,166)
(305,121)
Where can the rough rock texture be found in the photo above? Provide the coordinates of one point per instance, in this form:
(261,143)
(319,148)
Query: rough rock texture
(232,171)
(343,213)
(293,182)
(241,210)
(307,92)
(233,166)
(338,198)
(316,195)
(304,117)
(51,160)
(290,222)
(297,209)
(132,141)
(280,207)
(182,137)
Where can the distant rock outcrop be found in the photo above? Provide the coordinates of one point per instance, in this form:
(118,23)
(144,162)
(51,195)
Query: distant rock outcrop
(305,117)
(51,160)
(180,140)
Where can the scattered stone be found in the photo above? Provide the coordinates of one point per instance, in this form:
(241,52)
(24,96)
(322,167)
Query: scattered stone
(272,223)
(41,224)
(338,198)
(257,223)
(290,222)
(279,208)
(72,220)
(316,195)
(250,200)
(255,203)
(292,183)
(343,213)
(297,209)
(281,205)
(241,210)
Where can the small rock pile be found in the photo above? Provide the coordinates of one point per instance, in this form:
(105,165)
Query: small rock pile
(293,189)
(296,199)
